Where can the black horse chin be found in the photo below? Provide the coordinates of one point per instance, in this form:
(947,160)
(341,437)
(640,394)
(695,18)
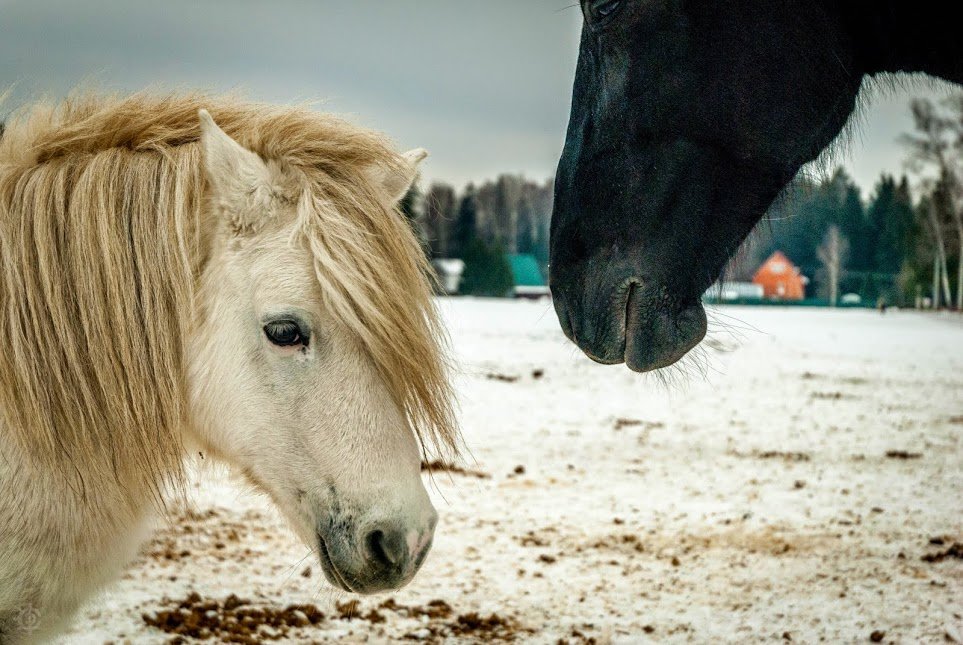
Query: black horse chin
(632,324)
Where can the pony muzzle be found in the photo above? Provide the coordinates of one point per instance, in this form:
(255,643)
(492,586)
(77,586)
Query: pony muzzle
(382,556)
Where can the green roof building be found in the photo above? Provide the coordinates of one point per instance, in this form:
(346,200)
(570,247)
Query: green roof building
(528,278)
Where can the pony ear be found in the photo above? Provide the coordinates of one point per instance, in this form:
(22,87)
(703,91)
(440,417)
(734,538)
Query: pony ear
(397,182)
(239,179)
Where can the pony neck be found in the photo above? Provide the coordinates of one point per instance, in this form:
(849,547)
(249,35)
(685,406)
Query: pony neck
(900,36)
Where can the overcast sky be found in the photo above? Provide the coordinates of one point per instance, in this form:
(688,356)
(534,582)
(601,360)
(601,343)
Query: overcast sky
(484,85)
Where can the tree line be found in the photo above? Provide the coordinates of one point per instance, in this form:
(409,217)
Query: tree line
(900,244)
(483,225)
(841,242)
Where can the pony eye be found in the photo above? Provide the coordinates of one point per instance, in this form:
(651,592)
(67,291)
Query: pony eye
(285,333)
(602,9)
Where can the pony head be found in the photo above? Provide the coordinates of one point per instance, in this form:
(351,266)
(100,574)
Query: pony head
(246,288)
(307,368)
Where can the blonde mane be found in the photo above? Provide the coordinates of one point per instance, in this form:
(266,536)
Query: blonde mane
(102,241)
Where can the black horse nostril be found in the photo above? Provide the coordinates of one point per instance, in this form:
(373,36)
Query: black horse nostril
(387,548)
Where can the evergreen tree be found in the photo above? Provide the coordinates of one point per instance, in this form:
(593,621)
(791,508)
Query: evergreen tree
(851,218)
(504,211)
(526,233)
(542,202)
(890,216)
(466,224)
(795,224)
(487,271)
(440,206)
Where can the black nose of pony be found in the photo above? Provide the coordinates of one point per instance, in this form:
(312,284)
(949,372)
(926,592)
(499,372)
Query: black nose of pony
(387,547)
(392,554)
(378,555)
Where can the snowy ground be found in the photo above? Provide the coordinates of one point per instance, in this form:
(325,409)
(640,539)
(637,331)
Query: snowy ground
(788,487)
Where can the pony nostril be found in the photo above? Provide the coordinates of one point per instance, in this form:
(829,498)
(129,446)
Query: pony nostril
(387,548)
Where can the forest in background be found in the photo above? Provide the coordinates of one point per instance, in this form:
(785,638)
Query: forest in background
(900,244)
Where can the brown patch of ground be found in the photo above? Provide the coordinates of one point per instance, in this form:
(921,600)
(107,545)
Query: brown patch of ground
(625,542)
(237,620)
(433,610)
(232,620)
(954,551)
(488,628)
(773,454)
(766,541)
(538,538)
(829,396)
(621,424)
(441,622)
(351,610)
(848,380)
(903,454)
(577,637)
(192,534)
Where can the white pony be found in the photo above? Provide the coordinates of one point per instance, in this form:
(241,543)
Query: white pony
(252,292)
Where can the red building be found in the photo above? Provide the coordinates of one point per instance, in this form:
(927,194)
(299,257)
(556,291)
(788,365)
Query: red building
(780,279)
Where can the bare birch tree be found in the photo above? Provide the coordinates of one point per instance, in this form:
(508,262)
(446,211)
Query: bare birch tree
(941,275)
(832,253)
(955,103)
(938,144)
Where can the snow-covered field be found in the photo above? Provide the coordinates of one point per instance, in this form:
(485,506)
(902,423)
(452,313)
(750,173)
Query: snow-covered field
(788,485)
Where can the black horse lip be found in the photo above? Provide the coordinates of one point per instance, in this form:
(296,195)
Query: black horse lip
(636,312)
(328,565)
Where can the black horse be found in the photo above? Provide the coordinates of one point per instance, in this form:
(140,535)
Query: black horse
(688,119)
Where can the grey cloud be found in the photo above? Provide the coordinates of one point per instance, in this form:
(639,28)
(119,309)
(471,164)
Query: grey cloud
(483,84)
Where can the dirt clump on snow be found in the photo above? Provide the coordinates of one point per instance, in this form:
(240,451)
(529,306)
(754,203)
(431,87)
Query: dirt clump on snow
(773,454)
(191,533)
(829,396)
(351,610)
(903,454)
(621,423)
(953,551)
(503,378)
(491,627)
(440,621)
(232,620)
